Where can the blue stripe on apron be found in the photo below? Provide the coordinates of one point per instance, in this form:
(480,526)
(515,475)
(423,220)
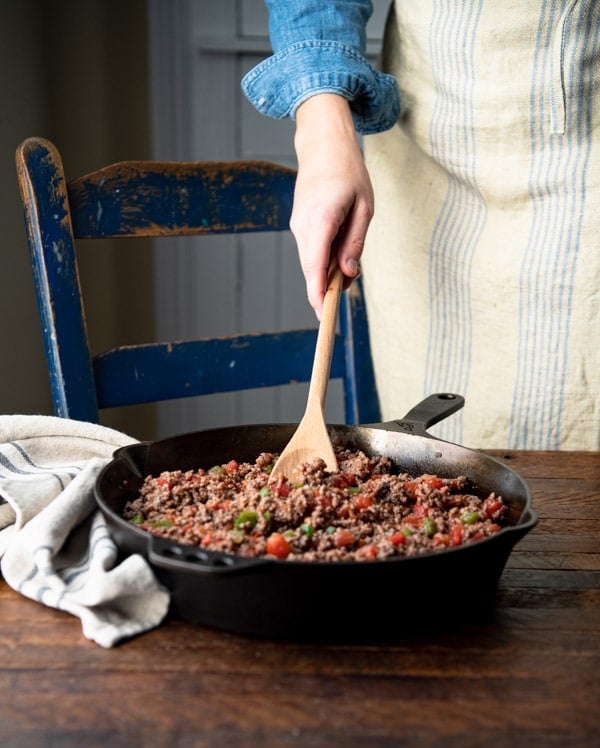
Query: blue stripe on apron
(545,299)
(463,212)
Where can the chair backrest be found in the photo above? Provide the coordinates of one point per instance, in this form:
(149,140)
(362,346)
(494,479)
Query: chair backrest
(152,199)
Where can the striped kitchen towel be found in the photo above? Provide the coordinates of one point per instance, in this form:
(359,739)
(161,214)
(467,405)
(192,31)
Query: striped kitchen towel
(54,544)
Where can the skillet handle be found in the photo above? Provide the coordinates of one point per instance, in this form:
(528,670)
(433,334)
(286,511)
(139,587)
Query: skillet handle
(174,557)
(427,413)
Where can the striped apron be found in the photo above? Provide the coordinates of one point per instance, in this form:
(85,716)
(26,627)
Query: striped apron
(482,264)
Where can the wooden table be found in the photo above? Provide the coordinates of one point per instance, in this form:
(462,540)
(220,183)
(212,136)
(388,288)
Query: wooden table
(528,678)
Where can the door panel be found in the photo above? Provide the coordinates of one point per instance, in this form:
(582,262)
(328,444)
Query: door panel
(218,285)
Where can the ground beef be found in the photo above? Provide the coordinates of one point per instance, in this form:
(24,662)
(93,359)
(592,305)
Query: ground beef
(368,510)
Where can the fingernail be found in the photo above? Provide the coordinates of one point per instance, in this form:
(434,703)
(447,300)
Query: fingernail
(353,266)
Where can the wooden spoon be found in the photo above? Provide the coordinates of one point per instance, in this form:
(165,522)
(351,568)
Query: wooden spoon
(311,439)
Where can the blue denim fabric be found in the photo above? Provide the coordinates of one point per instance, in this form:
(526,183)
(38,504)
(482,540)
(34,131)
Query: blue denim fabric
(319,47)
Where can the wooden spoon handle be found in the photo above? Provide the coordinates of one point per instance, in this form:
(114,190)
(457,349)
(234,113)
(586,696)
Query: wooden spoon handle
(325,339)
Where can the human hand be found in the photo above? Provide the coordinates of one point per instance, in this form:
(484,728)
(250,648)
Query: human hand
(333,199)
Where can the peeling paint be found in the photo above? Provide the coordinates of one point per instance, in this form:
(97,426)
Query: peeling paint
(57,251)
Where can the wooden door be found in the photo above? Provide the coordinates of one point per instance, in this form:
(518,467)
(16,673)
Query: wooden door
(209,286)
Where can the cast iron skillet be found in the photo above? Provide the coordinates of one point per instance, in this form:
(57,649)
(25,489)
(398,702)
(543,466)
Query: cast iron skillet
(323,600)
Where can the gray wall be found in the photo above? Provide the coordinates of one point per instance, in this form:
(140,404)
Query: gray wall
(74,71)
(77,72)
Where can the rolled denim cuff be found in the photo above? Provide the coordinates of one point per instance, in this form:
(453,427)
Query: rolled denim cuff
(278,85)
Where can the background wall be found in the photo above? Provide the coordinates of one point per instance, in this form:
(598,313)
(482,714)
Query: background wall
(74,71)
(199,52)
(78,72)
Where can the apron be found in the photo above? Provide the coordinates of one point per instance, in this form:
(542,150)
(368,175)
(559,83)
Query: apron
(482,263)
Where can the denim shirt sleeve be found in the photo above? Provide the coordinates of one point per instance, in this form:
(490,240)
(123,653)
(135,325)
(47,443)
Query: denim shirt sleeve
(319,47)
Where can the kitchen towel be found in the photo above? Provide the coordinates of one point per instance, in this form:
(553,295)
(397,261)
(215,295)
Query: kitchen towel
(54,543)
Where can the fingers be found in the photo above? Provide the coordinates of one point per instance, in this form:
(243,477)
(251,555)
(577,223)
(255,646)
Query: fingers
(322,235)
(351,240)
(333,197)
(315,233)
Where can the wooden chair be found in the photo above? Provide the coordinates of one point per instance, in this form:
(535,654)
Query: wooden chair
(153,199)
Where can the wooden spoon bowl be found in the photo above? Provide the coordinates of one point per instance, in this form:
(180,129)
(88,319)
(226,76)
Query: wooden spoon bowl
(311,438)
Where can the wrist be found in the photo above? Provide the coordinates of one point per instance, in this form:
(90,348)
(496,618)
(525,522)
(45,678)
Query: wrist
(322,117)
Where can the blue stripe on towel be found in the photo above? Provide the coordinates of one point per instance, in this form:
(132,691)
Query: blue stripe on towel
(70,470)
(10,467)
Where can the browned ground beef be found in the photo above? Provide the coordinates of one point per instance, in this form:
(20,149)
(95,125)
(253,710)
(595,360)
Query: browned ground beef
(367,510)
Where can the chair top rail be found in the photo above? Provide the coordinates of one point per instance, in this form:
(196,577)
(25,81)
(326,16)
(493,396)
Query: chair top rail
(147,198)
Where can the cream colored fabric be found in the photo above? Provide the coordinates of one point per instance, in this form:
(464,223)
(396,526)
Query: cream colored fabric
(482,265)
(54,543)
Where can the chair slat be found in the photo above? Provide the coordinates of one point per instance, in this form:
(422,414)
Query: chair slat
(171,370)
(135,198)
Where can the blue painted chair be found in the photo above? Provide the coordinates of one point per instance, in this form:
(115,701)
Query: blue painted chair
(152,199)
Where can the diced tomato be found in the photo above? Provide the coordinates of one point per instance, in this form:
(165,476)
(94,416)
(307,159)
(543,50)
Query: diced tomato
(344,480)
(420,510)
(231,466)
(441,540)
(343,538)
(398,538)
(323,500)
(207,538)
(363,501)
(367,551)
(348,479)
(433,481)
(492,505)
(216,504)
(456,535)
(413,521)
(282,489)
(409,488)
(163,482)
(278,546)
